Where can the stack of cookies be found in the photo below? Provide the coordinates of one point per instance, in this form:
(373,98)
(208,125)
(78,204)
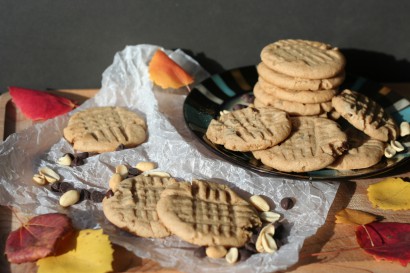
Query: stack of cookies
(288,127)
(300,77)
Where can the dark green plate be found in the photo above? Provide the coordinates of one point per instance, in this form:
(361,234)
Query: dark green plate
(223,91)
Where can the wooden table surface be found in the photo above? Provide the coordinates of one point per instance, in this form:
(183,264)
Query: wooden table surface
(336,243)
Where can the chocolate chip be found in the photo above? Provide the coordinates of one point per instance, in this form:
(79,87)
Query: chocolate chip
(55,187)
(65,186)
(109,193)
(249,98)
(97,196)
(77,162)
(278,242)
(238,107)
(287,203)
(244,254)
(70,155)
(254,237)
(133,172)
(120,147)
(251,247)
(200,252)
(85,195)
(82,155)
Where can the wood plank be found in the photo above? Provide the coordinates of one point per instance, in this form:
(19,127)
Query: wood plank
(329,239)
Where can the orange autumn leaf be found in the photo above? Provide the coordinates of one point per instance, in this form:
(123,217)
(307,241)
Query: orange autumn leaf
(166,73)
(352,216)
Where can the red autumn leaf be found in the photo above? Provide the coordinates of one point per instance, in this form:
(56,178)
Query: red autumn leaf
(37,238)
(166,73)
(38,105)
(388,241)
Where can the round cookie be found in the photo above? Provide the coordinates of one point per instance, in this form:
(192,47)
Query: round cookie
(249,129)
(363,152)
(207,214)
(287,82)
(262,99)
(303,59)
(302,96)
(103,129)
(313,145)
(133,205)
(366,115)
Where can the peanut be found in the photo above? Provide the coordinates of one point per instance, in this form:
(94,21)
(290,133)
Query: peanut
(49,175)
(389,152)
(157,173)
(39,179)
(397,145)
(216,252)
(232,255)
(69,198)
(268,243)
(122,170)
(65,160)
(269,216)
(404,128)
(258,202)
(115,180)
(144,166)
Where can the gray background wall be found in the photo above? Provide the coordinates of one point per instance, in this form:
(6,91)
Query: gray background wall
(68,44)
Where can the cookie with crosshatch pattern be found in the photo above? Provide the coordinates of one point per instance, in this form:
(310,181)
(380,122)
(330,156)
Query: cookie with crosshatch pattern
(133,205)
(366,115)
(263,99)
(313,144)
(103,129)
(303,59)
(249,129)
(292,83)
(207,213)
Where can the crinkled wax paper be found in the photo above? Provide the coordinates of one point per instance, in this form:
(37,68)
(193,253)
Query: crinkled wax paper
(171,145)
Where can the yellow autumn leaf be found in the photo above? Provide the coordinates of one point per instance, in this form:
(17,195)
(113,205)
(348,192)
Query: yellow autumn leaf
(391,193)
(352,216)
(91,253)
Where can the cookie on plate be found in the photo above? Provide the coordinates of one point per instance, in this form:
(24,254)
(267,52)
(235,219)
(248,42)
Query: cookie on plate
(313,145)
(133,205)
(207,213)
(302,96)
(363,152)
(250,129)
(103,129)
(366,115)
(303,59)
(292,83)
(263,99)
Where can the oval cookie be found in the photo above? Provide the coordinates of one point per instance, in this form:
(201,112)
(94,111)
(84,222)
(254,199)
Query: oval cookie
(263,99)
(207,213)
(249,129)
(287,82)
(363,152)
(302,96)
(103,129)
(303,59)
(133,205)
(366,115)
(313,144)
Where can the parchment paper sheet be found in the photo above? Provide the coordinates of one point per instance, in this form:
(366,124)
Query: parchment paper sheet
(172,146)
